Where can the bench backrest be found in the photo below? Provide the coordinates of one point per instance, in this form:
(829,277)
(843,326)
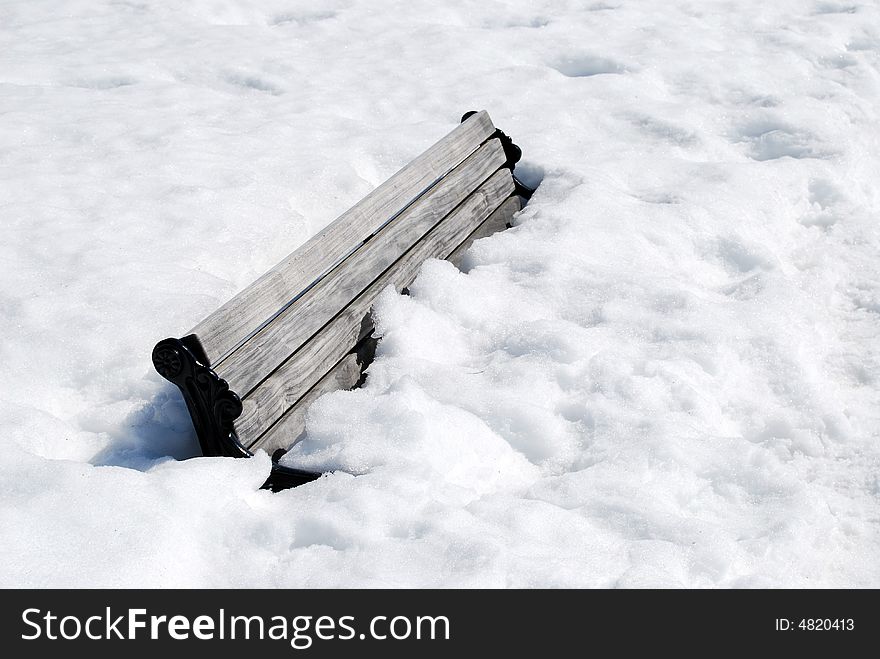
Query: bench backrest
(290,335)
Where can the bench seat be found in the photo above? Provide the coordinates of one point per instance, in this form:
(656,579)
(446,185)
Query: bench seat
(249,371)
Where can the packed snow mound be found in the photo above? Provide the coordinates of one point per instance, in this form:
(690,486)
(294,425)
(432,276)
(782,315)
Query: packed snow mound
(666,374)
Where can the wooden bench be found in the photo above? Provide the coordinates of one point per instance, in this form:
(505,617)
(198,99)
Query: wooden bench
(249,371)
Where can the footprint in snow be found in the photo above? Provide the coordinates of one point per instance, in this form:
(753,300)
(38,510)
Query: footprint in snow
(839,61)
(663,130)
(863,43)
(739,256)
(253,82)
(139,7)
(865,296)
(585,66)
(746,263)
(743,97)
(834,8)
(660,197)
(770,140)
(502,21)
(824,196)
(110,82)
(301,18)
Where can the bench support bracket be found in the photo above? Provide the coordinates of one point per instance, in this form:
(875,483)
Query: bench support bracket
(212,406)
(513,154)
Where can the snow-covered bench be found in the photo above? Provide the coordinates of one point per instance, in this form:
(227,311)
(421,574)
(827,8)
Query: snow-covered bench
(250,369)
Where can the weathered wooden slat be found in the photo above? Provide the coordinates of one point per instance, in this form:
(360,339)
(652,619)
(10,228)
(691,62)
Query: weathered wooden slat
(280,391)
(244,314)
(344,375)
(496,222)
(260,355)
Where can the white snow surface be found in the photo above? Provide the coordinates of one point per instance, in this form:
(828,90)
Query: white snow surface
(666,374)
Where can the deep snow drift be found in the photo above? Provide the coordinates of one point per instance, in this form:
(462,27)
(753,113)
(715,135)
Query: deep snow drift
(667,374)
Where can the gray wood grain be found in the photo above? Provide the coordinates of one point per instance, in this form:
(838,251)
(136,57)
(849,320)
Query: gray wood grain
(292,423)
(245,313)
(496,222)
(283,388)
(346,374)
(262,353)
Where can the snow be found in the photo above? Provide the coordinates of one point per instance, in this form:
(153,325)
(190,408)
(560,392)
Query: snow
(667,374)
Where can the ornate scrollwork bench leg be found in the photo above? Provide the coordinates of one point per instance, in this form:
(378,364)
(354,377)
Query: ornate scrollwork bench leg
(213,407)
